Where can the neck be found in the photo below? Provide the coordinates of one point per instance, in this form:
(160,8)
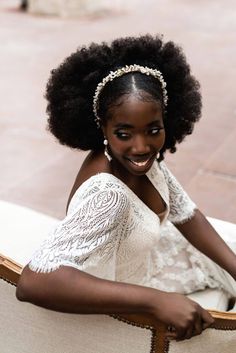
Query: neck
(132,181)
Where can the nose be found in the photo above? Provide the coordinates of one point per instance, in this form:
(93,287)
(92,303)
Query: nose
(140,145)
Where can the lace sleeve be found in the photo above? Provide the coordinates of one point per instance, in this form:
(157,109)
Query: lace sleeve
(88,237)
(181,206)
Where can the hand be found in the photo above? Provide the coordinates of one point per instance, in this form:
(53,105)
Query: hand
(183,316)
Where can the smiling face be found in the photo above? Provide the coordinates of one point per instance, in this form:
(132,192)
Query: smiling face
(135,134)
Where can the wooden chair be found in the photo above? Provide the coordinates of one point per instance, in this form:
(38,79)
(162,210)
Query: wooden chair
(26,328)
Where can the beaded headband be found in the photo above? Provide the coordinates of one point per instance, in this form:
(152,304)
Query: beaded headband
(122,71)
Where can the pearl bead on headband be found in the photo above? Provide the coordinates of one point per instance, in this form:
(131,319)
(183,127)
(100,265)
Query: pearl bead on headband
(122,71)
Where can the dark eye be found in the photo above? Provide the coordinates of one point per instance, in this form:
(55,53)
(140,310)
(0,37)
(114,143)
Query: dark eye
(154,131)
(122,135)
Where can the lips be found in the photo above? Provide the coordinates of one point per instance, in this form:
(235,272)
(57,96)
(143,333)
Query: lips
(141,162)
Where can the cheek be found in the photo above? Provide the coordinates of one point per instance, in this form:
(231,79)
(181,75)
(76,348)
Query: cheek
(117,147)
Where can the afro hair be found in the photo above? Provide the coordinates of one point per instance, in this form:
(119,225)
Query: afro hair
(72,85)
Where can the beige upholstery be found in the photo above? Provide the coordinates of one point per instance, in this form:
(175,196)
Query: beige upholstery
(29,329)
(210,341)
(211,299)
(22,230)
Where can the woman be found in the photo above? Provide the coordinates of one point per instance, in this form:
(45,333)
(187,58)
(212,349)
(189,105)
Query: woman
(119,249)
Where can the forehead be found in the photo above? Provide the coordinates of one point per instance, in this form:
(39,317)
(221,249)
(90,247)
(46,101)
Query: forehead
(136,111)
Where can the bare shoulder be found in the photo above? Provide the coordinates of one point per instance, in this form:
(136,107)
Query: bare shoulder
(93,164)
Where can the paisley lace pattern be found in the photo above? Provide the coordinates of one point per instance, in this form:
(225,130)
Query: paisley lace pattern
(90,233)
(109,232)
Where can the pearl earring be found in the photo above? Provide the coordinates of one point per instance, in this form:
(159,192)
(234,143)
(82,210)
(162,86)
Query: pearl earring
(105,142)
(158,155)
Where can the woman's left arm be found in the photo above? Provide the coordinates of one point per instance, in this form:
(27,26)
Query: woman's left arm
(195,227)
(200,233)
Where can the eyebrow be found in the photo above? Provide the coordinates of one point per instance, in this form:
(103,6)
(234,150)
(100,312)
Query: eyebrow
(128,126)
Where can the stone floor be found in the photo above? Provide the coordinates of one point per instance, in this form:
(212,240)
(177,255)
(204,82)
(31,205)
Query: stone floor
(37,172)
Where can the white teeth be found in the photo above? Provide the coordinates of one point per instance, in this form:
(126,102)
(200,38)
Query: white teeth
(140,164)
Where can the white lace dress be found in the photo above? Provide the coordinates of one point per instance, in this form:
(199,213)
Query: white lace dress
(110,233)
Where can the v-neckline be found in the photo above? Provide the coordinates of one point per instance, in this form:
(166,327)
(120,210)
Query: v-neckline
(161,216)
